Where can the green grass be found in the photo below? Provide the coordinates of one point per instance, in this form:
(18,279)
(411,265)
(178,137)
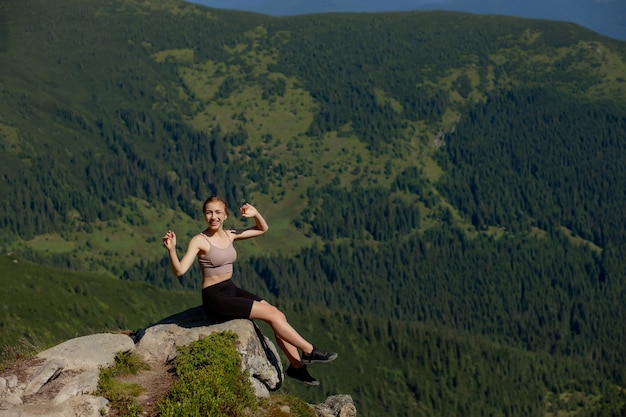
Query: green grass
(122,395)
(211,381)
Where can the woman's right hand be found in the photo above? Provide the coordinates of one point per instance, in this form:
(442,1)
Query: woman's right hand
(169,240)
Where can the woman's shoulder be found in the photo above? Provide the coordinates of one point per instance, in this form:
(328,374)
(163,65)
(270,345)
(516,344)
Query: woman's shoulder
(230,233)
(200,240)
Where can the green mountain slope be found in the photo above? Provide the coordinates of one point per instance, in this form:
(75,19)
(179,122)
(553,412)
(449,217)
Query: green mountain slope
(442,372)
(253,106)
(463,172)
(43,305)
(426,369)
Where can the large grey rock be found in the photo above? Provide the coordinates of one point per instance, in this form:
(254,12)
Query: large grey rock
(158,343)
(75,364)
(60,381)
(90,352)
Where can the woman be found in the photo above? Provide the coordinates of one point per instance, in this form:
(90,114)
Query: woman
(223,300)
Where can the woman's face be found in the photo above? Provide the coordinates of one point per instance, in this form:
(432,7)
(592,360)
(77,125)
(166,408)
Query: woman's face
(215,214)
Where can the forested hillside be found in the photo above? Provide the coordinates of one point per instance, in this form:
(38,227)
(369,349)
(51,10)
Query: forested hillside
(446,192)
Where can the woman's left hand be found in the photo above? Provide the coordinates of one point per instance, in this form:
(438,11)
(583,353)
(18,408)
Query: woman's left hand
(247,210)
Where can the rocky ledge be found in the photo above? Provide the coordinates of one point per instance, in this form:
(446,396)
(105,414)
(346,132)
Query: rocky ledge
(61,381)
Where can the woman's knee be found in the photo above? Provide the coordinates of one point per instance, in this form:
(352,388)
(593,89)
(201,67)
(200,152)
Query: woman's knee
(271,314)
(277,315)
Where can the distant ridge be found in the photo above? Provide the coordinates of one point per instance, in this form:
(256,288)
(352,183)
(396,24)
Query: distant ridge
(605,17)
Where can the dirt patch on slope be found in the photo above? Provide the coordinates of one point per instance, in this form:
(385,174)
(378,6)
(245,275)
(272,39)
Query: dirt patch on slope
(156,383)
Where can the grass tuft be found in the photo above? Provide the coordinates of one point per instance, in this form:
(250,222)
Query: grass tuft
(211,381)
(122,395)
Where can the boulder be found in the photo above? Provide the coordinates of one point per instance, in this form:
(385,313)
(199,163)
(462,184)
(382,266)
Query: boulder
(158,342)
(90,352)
(61,381)
(336,406)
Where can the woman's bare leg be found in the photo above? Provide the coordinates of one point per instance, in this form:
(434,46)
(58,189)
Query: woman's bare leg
(290,350)
(287,337)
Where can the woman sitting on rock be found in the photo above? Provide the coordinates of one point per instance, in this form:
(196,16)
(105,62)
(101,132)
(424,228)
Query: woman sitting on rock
(223,300)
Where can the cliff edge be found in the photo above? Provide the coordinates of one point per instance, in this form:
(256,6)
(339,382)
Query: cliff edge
(61,381)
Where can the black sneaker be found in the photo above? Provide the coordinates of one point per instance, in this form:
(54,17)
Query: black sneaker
(318,356)
(301,374)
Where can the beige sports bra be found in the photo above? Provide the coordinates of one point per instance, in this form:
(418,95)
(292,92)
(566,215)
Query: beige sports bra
(217,261)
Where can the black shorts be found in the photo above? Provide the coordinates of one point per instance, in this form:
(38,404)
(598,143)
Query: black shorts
(226,301)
